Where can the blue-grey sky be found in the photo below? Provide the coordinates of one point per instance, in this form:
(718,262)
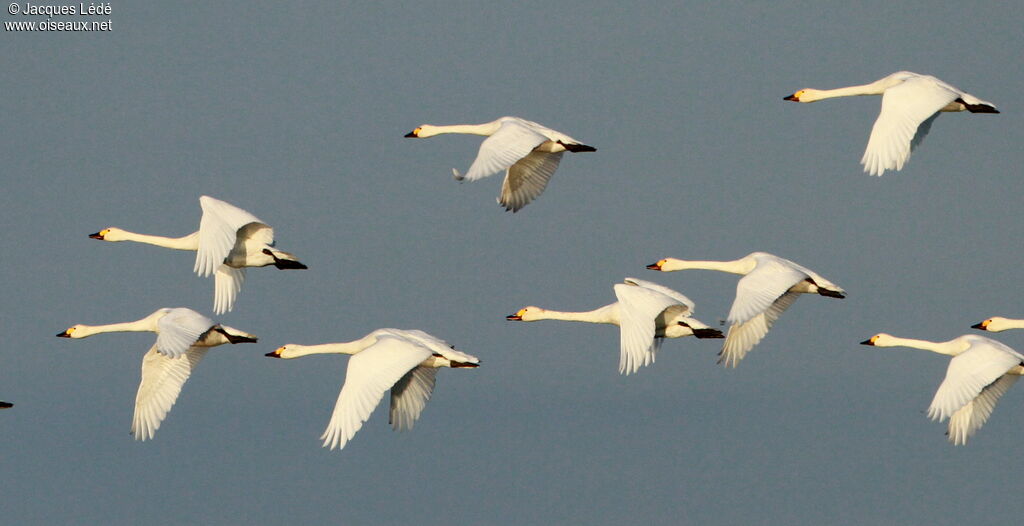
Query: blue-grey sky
(296,111)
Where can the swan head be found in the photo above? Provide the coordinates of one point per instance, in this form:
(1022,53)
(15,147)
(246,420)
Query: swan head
(804,95)
(526,314)
(880,340)
(657,266)
(996,324)
(109,234)
(668,265)
(73,332)
(423,131)
(284,351)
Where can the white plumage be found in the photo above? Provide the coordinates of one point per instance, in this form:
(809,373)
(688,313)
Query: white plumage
(404,361)
(910,104)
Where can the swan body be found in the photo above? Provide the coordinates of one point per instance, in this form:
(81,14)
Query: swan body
(405,361)
(182,338)
(910,103)
(999,324)
(770,284)
(229,239)
(980,372)
(528,152)
(646,313)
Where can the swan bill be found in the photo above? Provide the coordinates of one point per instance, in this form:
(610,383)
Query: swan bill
(654,266)
(274,354)
(413,134)
(983,326)
(514,317)
(870,341)
(6,405)
(98,235)
(65,334)
(792,97)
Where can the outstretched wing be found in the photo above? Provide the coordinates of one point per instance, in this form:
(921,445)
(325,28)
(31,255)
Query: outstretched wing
(505,147)
(370,372)
(527,179)
(638,307)
(905,108)
(218,231)
(762,287)
(162,379)
(968,419)
(969,373)
(742,337)
(410,395)
(179,329)
(226,284)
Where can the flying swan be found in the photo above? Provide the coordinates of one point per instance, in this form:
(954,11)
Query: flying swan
(910,103)
(229,239)
(980,372)
(405,361)
(769,285)
(528,152)
(646,313)
(182,338)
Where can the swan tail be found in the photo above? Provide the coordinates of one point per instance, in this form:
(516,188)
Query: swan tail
(576,147)
(978,108)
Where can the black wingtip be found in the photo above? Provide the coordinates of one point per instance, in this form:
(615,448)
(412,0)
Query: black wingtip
(831,293)
(577,148)
(288,264)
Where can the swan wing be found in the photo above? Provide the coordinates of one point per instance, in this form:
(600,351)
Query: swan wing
(684,301)
(370,372)
(527,179)
(969,418)
(759,289)
(179,329)
(904,108)
(638,308)
(969,373)
(743,336)
(434,344)
(227,282)
(218,232)
(162,379)
(410,395)
(505,147)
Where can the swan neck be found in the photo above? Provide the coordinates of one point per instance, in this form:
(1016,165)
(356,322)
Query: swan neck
(189,242)
(329,348)
(143,325)
(469,129)
(875,88)
(604,314)
(739,266)
(950,348)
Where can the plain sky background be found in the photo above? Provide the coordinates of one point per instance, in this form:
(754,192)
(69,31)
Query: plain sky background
(296,112)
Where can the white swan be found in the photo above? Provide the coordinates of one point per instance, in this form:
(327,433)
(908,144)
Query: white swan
(645,314)
(229,239)
(981,371)
(404,361)
(183,337)
(999,324)
(770,284)
(528,152)
(910,103)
